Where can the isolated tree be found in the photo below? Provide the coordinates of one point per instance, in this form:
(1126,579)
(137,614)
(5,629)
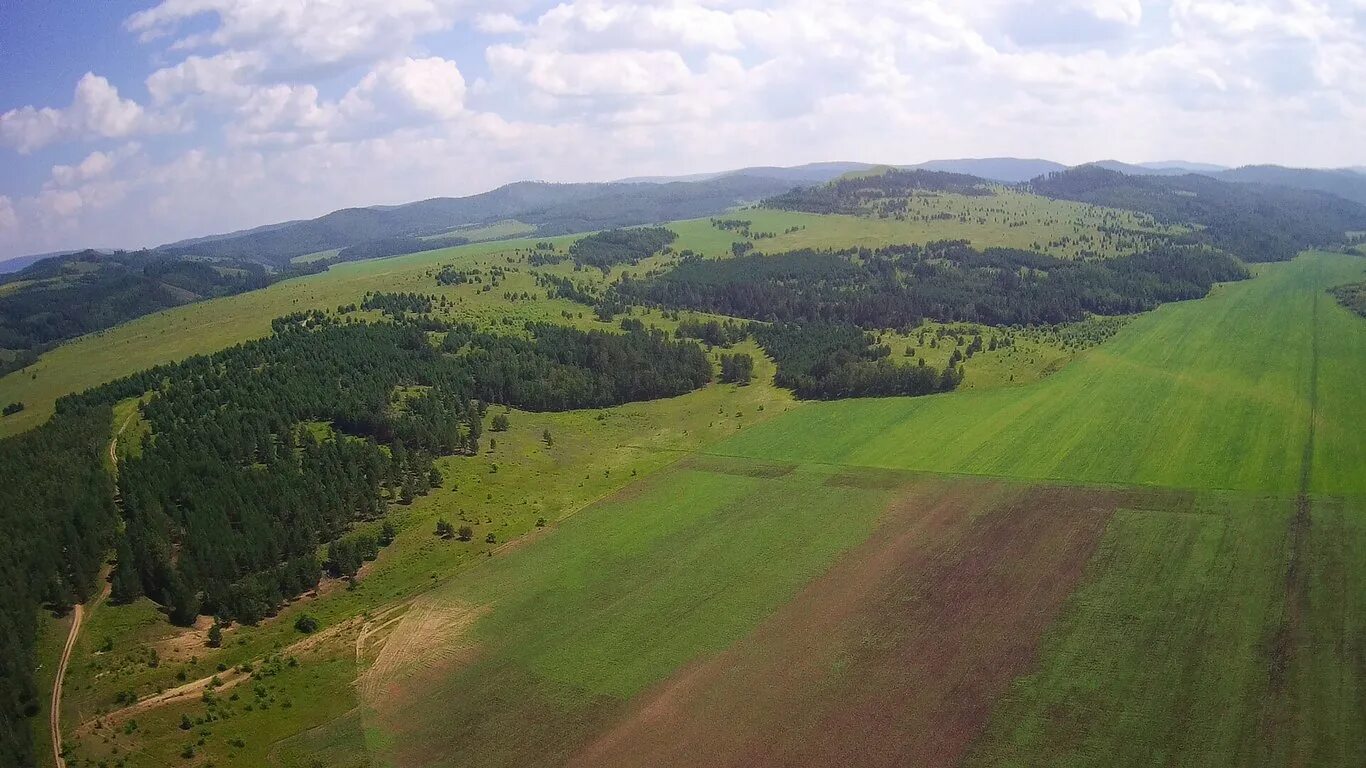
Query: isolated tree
(466,533)
(306,624)
(549,441)
(216,636)
(445,530)
(500,422)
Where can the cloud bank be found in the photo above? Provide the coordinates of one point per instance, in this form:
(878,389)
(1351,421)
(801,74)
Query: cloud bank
(261,111)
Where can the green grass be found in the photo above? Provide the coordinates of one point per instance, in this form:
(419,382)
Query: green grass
(616,600)
(1160,656)
(1203,394)
(497,231)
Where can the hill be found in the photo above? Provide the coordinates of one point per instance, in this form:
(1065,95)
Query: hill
(60,297)
(554,209)
(1011,170)
(808,173)
(1256,222)
(1344,183)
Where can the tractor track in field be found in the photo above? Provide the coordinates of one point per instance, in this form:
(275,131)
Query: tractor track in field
(1277,717)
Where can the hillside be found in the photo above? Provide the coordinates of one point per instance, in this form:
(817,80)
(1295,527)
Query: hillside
(1344,183)
(60,297)
(1010,170)
(553,209)
(1256,222)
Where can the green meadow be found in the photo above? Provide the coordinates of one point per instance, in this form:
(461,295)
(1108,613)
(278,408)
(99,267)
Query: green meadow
(1212,394)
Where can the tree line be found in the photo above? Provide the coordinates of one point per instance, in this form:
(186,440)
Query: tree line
(899,286)
(620,246)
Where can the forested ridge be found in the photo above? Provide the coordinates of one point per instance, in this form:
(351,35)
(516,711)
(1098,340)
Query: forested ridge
(850,195)
(1255,222)
(68,296)
(231,494)
(899,286)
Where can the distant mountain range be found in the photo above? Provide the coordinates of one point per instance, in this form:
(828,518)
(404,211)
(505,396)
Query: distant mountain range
(555,209)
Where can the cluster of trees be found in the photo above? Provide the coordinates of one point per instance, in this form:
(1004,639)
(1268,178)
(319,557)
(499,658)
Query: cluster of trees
(58,515)
(565,288)
(560,368)
(737,368)
(620,246)
(852,195)
(1352,296)
(945,280)
(238,482)
(12,408)
(398,304)
(714,332)
(1256,222)
(826,362)
(63,297)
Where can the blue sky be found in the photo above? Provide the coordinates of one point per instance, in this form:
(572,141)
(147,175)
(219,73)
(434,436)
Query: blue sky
(126,123)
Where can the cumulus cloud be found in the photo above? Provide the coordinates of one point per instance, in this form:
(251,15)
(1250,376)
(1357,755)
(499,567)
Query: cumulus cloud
(304,107)
(302,33)
(96,111)
(430,86)
(9,220)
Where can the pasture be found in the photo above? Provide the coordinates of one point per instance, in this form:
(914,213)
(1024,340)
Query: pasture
(1212,394)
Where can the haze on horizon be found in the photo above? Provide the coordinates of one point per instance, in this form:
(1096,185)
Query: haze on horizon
(138,123)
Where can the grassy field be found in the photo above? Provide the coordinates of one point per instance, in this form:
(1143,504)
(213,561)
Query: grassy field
(1206,394)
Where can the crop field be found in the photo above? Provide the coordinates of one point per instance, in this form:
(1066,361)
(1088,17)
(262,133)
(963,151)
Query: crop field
(1214,393)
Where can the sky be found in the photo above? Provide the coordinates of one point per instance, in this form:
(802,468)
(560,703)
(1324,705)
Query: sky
(129,124)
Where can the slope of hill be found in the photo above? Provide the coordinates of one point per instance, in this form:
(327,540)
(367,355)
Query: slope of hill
(552,208)
(1183,165)
(61,297)
(1011,170)
(1256,222)
(1344,183)
(808,173)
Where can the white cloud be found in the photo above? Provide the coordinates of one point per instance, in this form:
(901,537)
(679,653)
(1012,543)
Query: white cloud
(308,106)
(497,24)
(430,86)
(302,32)
(9,220)
(96,111)
(226,75)
(94,166)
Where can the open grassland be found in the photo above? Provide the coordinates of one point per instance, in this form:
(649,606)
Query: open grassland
(1204,394)
(1006,219)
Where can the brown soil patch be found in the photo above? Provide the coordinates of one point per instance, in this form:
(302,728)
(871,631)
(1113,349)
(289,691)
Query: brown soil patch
(896,655)
(430,634)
